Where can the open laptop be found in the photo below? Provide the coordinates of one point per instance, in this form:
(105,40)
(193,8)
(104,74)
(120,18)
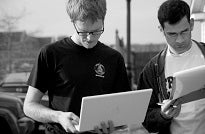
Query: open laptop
(124,108)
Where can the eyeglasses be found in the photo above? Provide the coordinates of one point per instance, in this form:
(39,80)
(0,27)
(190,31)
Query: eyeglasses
(99,32)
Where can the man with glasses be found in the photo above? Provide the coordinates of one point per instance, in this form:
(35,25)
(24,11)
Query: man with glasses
(75,67)
(166,116)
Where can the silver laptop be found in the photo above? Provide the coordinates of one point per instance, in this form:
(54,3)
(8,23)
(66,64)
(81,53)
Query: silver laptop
(124,108)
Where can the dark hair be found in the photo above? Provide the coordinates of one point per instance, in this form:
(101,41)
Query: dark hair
(172,11)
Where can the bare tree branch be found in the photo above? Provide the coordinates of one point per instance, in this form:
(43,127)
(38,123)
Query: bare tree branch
(9,22)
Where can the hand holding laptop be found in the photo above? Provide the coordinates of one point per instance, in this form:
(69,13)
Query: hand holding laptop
(123,108)
(105,128)
(118,110)
(68,120)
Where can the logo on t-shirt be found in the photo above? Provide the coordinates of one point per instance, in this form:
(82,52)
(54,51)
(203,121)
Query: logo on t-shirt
(99,70)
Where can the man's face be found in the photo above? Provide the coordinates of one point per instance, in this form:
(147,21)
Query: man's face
(88,33)
(178,36)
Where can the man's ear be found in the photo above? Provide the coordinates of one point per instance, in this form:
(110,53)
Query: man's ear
(160,28)
(192,23)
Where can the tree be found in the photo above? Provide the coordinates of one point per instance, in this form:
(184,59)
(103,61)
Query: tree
(8,24)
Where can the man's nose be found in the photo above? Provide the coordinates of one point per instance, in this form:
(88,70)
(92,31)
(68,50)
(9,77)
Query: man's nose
(179,38)
(89,37)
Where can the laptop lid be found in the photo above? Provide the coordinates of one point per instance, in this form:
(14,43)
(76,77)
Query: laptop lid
(124,108)
(188,81)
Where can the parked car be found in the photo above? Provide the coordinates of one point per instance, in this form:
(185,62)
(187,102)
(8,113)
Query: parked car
(13,89)
(16,84)
(12,117)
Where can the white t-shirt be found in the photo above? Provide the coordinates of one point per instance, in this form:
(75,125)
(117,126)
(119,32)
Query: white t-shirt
(191,119)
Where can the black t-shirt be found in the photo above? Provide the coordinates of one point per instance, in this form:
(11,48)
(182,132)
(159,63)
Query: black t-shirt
(69,71)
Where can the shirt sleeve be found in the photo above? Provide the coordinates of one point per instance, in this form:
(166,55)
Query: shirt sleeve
(121,81)
(41,76)
(154,122)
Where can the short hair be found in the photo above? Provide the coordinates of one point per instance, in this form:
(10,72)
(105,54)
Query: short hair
(83,10)
(172,11)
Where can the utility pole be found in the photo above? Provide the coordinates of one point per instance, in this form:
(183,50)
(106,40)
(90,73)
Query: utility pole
(129,69)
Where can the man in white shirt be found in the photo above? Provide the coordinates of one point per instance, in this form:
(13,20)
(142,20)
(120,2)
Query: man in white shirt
(181,53)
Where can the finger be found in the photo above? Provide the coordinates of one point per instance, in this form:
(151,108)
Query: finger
(74,122)
(174,114)
(104,127)
(173,104)
(70,128)
(74,117)
(177,111)
(165,115)
(111,126)
(169,113)
(97,130)
(174,111)
(165,101)
(166,106)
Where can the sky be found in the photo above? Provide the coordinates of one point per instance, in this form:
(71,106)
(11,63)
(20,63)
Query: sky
(49,18)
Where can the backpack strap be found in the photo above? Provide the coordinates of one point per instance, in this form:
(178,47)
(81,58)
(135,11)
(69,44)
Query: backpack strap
(203,44)
(202,47)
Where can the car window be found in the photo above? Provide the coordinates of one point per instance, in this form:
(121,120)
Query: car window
(16,77)
(15,82)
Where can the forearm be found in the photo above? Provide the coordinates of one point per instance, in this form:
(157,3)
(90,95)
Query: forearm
(154,121)
(41,113)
